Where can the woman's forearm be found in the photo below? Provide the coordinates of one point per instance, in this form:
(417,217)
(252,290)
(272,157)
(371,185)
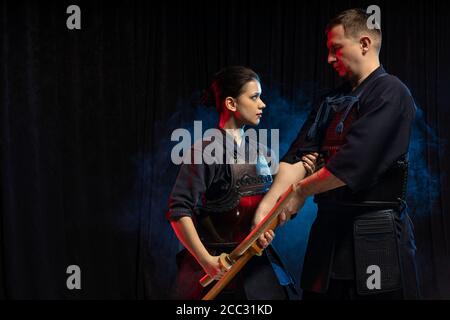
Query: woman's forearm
(187,234)
(287,175)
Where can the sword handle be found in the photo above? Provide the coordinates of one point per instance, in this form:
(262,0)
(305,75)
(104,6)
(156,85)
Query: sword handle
(224,263)
(229,275)
(206,280)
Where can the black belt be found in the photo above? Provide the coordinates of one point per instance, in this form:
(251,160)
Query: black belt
(365,205)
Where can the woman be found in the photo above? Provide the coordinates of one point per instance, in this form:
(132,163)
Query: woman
(211,207)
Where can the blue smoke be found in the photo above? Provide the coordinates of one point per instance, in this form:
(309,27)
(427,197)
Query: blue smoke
(156,175)
(423,184)
(289,116)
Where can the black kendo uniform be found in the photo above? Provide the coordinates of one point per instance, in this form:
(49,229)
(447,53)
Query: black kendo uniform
(222,198)
(364,137)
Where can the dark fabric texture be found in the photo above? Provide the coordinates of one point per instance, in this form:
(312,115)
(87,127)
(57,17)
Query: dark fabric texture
(331,253)
(84,126)
(378,136)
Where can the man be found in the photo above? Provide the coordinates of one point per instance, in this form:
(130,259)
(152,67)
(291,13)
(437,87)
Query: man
(361,244)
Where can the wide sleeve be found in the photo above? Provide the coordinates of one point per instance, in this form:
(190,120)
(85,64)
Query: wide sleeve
(192,182)
(302,143)
(377,139)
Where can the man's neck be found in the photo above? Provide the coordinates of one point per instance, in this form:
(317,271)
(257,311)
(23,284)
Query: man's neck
(367,70)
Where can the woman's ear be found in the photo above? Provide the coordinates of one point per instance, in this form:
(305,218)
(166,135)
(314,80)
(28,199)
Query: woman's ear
(230,104)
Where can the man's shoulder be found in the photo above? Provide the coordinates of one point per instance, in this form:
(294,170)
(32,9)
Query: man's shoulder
(388,91)
(390,85)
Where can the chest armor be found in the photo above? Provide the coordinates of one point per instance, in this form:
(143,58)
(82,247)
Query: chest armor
(390,190)
(227,220)
(334,137)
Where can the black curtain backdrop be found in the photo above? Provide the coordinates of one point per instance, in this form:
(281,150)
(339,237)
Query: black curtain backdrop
(86,118)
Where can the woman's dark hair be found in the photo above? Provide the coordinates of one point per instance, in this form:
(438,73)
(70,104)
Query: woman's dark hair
(228,82)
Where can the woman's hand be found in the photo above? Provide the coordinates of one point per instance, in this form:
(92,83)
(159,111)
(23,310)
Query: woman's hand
(266,238)
(295,203)
(212,267)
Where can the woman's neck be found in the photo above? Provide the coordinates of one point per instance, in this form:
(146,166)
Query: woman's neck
(229,124)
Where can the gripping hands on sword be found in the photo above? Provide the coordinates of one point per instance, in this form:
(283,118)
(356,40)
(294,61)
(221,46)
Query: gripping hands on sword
(289,174)
(216,266)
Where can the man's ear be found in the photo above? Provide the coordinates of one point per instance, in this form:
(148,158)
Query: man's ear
(230,104)
(365,43)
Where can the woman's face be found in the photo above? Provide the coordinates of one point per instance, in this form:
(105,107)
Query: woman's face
(249,106)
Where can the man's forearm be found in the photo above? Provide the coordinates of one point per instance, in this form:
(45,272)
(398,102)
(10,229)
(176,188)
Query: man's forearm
(321,181)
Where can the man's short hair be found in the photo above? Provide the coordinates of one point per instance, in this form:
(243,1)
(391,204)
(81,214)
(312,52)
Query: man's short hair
(354,22)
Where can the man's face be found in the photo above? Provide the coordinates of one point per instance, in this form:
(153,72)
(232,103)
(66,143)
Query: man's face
(343,53)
